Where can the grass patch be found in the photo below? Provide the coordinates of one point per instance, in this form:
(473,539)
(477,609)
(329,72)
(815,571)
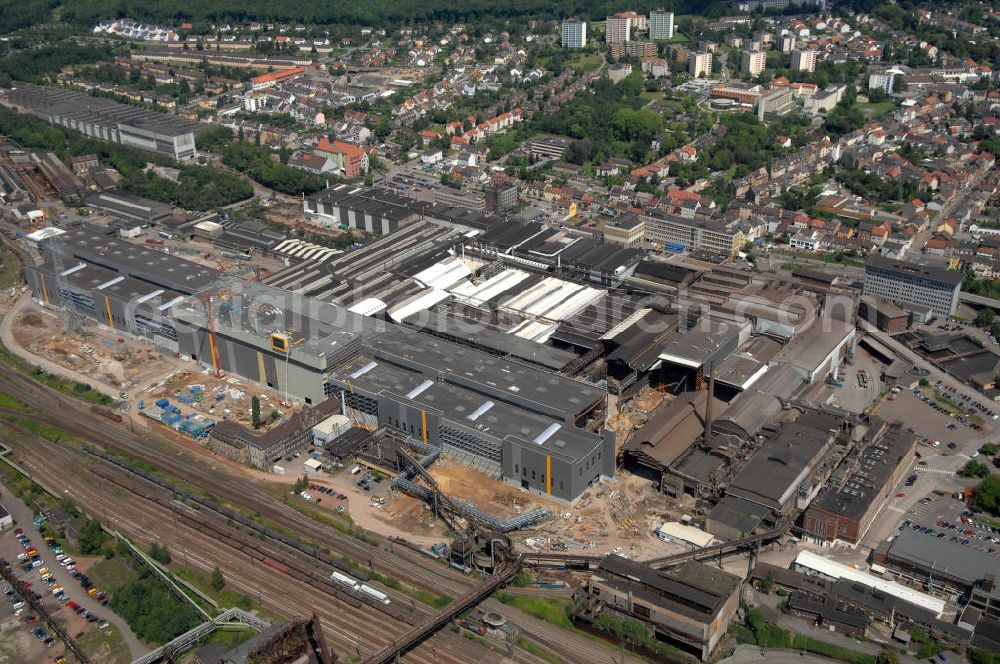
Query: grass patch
(437,601)
(875,110)
(40,429)
(227,639)
(10,271)
(538,651)
(111,574)
(105,645)
(22,487)
(838,258)
(768,635)
(7,401)
(226,598)
(522,580)
(585,62)
(556,610)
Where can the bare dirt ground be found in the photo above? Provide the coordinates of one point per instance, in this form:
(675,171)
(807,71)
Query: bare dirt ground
(619,516)
(635,413)
(235,402)
(94,351)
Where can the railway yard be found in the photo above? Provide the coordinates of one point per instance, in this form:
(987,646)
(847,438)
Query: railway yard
(285,580)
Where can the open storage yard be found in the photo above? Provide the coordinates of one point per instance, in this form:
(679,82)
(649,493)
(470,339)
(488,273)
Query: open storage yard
(94,351)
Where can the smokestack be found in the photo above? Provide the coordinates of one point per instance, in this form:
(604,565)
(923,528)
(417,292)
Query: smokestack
(708,405)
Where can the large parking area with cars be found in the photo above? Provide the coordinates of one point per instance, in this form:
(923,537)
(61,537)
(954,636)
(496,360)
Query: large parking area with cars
(52,578)
(936,425)
(945,517)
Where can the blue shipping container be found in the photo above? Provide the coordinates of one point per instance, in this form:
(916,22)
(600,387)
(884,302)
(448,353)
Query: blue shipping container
(162,403)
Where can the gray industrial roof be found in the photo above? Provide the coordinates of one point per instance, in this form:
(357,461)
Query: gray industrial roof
(740,367)
(93,244)
(943,556)
(702,344)
(693,589)
(950,277)
(458,404)
(777,469)
(482,335)
(874,467)
(751,409)
(69,103)
(809,349)
(134,207)
(479,370)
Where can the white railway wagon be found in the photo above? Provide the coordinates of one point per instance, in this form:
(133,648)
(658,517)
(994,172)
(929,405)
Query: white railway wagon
(346,580)
(371,592)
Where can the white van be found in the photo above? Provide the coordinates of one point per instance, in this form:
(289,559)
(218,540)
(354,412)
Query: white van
(355,470)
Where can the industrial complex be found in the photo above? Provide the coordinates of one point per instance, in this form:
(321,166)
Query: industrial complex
(520,353)
(109,121)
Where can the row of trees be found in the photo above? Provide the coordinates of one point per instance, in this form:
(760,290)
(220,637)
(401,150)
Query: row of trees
(38,64)
(259,163)
(88,12)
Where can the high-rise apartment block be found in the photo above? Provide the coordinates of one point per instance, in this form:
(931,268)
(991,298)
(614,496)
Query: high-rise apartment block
(754,62)
(700,63)
(618,29)
(574,33)
(804,59)
(661,25)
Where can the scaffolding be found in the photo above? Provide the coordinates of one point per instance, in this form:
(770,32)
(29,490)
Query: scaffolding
(404,482)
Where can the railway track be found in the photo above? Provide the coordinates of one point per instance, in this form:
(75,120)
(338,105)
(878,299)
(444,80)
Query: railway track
(147,518)
(76,418)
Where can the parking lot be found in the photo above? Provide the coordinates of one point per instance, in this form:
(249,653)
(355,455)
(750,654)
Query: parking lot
(945,517)
(932,423)
(38,561)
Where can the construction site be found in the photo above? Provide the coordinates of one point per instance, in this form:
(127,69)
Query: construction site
(90,350)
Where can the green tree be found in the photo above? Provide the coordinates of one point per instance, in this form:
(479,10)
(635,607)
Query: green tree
(218,582)
(989,449)
(255,412)
(987,495)
(985,317)
(995,329)
(91,538)
(887,657)
(152,611)
(159,553)
(973,468)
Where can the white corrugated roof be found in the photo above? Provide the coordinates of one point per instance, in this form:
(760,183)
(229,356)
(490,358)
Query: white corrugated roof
(678,531)
(501,283)
(368,306)
(423,300)
(444,273)
(835,570)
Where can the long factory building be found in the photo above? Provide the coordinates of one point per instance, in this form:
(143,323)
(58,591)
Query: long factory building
(537,429)
(108,120)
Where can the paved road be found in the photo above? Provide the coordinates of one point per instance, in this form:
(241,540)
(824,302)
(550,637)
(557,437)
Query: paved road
(768,604)
(22,517)
(7,336)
